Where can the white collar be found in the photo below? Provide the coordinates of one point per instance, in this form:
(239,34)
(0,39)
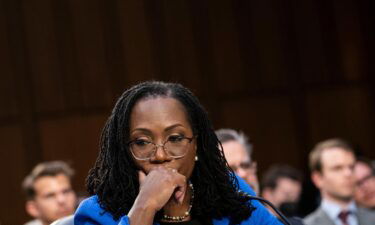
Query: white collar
(333,209)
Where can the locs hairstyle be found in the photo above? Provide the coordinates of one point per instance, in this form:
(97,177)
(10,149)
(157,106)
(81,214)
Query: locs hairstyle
(114,177)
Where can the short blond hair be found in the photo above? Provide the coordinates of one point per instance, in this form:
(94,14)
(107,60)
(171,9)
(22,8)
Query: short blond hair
(315,156)
(51,168)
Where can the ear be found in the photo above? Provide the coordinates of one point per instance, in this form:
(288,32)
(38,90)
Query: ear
(32,208)
(317,179)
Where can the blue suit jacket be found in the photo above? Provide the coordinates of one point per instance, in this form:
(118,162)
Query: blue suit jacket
(89,213)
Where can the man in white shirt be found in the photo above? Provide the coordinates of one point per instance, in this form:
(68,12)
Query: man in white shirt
(49,192)
(332,171)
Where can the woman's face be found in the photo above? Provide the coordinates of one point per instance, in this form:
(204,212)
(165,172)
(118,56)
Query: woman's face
(158,120)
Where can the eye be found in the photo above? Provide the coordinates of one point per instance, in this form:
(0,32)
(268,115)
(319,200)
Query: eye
(140,142)
(49,196)
(176,138)
(67,191)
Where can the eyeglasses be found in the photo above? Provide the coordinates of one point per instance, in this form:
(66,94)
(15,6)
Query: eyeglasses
(363,181)
(245,166)
(175,146)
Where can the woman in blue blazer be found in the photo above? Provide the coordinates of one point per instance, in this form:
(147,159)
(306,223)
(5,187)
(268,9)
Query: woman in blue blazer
(160,162)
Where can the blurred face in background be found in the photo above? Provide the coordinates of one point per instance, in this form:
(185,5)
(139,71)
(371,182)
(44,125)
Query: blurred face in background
(286,191)
(239,160)
(365,185)
(336,178)
(54,198)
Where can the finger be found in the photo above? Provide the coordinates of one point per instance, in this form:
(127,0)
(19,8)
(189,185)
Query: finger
(141,177)
(181,188)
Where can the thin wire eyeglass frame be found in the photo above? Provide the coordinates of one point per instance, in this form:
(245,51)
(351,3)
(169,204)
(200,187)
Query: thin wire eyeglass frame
(156,146)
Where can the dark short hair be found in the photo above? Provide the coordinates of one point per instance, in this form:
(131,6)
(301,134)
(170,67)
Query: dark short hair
(226,135)
(114,177)
(315,156)
(274,173)
(51,168)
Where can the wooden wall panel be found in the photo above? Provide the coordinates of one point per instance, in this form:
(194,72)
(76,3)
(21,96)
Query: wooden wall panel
(75,140)
(41,52)
(309,42)
(88,23)
(12,172)
(267,33)
(288,73)
(180,49)
(203,44)
(350,39)
(269,123)
(136,41)
(341,112)
(8,107)
(225,48)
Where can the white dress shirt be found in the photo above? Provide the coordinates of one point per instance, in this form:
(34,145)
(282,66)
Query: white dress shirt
(333,210)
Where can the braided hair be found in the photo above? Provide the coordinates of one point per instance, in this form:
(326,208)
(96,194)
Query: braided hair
(114,177)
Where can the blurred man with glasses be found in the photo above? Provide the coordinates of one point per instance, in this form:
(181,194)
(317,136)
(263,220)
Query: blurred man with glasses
(237,151)
(365,183)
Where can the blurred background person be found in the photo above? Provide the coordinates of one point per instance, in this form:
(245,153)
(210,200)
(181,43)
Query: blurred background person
(238,152)
(282,186)
(332,171)
(49,192)
(365,183)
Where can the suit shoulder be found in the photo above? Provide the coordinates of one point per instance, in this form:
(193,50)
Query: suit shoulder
(366,215)
(313,217)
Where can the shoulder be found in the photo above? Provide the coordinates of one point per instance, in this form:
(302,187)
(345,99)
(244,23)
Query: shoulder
(315,217)
(366,216)
(90,212)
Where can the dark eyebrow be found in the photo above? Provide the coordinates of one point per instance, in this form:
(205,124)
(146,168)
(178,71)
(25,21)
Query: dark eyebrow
(147,131)
(173,126)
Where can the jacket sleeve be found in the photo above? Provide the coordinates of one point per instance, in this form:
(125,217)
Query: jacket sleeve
(89,212)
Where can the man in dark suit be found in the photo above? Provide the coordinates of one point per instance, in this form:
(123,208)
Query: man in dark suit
(332,171)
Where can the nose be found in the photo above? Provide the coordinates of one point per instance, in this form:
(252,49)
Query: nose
(160,155)
(61,198)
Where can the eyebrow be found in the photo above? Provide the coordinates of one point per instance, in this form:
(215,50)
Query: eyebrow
(166,129)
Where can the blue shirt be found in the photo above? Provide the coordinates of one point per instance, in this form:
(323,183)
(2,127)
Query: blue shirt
(89,212)
(333,210)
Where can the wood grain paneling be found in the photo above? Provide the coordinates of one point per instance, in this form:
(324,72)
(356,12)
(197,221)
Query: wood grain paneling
(288,73)
(135,40)
(88,31)
(8,106)
(42,55)
(73,139)
(334,113)
(269,125)
(12,171)
(226,51)
(350,38)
